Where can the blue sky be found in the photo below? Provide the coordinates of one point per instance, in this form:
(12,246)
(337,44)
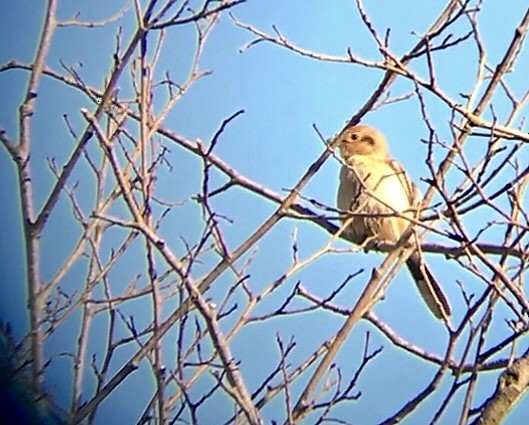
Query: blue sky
(272,143)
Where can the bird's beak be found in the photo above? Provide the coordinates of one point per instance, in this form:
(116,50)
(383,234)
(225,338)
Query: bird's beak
(335,145)
(333,142)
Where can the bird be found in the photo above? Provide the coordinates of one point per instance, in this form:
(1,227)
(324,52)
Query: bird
(377,189)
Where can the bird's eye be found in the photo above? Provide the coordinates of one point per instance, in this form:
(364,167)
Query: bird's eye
(354,137)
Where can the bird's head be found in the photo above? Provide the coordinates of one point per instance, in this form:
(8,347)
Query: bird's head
(362,140)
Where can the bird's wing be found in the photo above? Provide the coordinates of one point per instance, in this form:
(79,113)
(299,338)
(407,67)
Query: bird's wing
(347,190)
(414,196)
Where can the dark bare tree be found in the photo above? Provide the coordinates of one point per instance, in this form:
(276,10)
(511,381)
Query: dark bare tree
(150,300)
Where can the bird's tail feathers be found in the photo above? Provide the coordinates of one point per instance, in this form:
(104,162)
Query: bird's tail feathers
(429,288)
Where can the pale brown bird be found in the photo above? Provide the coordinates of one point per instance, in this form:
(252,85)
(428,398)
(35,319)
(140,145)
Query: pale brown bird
(373,183)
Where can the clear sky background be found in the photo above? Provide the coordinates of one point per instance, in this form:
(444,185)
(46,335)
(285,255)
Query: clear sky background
(272,143)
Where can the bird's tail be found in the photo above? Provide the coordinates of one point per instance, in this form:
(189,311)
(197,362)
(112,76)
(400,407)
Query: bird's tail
(429,288)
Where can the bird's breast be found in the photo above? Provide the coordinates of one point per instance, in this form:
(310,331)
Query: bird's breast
(380,182)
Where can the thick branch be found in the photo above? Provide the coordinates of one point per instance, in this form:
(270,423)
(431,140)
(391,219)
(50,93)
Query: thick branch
(512,384)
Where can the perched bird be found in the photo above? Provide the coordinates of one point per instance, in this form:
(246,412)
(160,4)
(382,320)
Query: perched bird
(377,187)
